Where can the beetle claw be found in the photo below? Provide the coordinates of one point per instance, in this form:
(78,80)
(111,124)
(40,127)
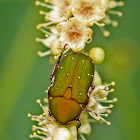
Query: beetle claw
(78,123)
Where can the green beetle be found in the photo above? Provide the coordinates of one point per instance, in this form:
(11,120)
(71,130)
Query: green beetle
(72,82)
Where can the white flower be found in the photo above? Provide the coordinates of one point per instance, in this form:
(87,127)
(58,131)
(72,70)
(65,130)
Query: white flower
(51,41)
(74,33)
(108,5)
(85,124)
(88,11)
(62,134)
(60,10)
(98,96)
(48,128)
(97,79)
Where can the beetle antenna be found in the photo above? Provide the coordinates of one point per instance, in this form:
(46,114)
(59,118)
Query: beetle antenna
(57,63)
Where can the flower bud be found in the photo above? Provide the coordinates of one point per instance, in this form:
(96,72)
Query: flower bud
(55,50)
(85,128)
(97,54)
(62,134)
(97,79)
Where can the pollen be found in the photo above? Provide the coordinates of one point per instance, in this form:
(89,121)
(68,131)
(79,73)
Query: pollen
(113,83)
(108,123)
(38,101)
(37,3)
(74,34)
(106,115)
(105,98)
(34,128)
(112,90)
(29,115)
(46,91)
(115,99)
(45,100)
(55,57)
(111,106)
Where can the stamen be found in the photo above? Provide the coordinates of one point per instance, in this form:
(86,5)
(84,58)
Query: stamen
(37,136)
(109,101)
(106,115)
(44,114)
(114,4)
(43,25)
(108,123)
(34,119)
(112,90)
(82,136)
(113,83)
(34,116)
(42,54)
(46,35)
(114,23)
(45,32)
(102,100)
(107,88)
(46,1)
(99,24)
(43,13)
(121,3)
(40,132)
(104,32)
(109,111)
(105,98)
(110,106)
(37,3)
(29,115)
(116,13)
(41,128)
(39,102)
(45,100)
(42,40)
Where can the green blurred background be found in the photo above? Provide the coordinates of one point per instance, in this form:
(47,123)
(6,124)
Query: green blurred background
(24,76)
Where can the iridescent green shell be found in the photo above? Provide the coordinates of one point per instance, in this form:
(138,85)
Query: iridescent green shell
(75,71)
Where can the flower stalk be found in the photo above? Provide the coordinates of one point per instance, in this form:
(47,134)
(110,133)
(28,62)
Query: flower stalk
(72,20)
(69,22)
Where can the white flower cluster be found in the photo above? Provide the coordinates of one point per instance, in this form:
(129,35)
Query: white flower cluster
(49,129)
(69,22)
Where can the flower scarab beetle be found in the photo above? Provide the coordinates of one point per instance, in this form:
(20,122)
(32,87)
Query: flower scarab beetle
(72,82)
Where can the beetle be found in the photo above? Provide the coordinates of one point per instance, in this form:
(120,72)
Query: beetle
(71,84)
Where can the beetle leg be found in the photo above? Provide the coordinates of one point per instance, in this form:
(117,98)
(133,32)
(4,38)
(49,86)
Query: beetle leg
(86,110)
(50,114)
(78,123)
(91,88)
(57,63)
